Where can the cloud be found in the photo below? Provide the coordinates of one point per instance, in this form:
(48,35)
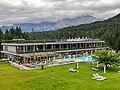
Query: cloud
(20,11)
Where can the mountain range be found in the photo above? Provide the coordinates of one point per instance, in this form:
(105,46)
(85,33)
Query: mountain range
(47,26)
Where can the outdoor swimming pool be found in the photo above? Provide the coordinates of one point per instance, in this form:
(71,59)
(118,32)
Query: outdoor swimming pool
(84,58)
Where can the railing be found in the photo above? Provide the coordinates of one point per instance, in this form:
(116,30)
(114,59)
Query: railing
(50,50)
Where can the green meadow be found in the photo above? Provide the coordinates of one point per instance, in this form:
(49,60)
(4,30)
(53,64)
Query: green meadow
(58,78)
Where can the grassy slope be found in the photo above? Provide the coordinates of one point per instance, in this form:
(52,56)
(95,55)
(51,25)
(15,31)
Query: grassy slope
(57,78)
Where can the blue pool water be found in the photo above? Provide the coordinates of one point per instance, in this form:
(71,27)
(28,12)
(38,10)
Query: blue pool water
(84,58)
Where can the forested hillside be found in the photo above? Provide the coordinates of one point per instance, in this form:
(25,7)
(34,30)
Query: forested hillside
(108,30)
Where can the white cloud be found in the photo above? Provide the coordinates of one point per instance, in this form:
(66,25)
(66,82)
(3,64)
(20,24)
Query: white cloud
(19,11)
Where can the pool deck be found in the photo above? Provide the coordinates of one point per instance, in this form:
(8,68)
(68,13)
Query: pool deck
(54,63)
(22,67)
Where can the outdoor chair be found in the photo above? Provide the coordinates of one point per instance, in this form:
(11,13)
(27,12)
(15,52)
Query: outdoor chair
(95,69)
(72,70)
(98,77)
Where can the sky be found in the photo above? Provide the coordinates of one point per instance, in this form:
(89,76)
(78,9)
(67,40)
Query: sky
(34,11)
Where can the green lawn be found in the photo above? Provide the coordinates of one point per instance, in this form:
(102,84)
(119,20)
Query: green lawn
(57,78)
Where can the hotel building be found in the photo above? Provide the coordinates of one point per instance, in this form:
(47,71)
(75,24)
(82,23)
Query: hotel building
(49,51)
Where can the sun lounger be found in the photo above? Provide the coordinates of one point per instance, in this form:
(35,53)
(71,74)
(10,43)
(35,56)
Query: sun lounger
(98,77)
(72,70)
(95,69)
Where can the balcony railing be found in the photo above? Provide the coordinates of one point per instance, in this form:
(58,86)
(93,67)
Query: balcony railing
(50,50)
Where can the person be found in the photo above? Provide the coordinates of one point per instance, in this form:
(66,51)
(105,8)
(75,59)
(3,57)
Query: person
(42,66)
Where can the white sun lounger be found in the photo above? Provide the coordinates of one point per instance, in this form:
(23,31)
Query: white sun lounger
(72,70)
(95,69)
(98,77)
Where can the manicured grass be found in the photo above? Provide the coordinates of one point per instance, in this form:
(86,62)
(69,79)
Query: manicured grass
(57,78)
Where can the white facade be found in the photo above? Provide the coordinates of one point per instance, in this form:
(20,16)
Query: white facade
(12,48)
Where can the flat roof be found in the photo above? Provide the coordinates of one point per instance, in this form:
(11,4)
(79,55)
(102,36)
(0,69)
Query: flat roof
(59,42)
